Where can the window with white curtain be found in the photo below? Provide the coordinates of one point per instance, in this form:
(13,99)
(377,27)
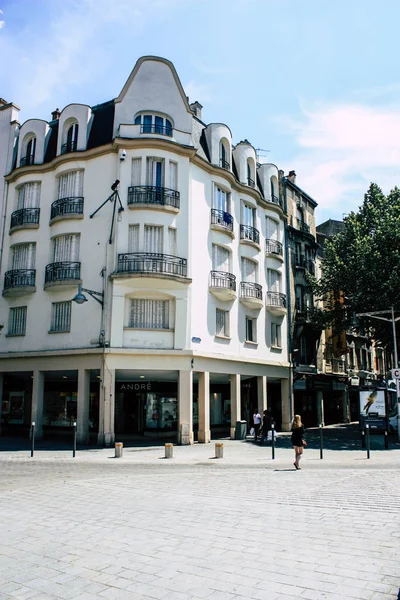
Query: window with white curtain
(66,248)
(17,320)
(70,185)
(149,314)
(155,171)
(173,175)
(133,238)
(276,338)
(23,256)
(274,280)
(249,270)
(222,323)
(136,171)
(153,238)
(172,241)
(29,195)
(221,199)
(61,316)
(220,258)
(272,229)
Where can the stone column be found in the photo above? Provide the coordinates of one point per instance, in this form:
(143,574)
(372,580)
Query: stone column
(1,396)
(262,394)
(286,405)
(320,406)
(37,403)
(185,408)
(82,418)
(106,434)
(235,403)
(204,408)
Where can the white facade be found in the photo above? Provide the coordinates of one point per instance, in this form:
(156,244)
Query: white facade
(194,305)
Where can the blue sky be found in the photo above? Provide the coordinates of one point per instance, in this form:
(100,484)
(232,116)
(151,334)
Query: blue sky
(315,82)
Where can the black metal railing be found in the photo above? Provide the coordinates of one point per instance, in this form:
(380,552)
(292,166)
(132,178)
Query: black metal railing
(61,271)
(250,290)
(149,194)
(151,262)
(19,278)
(224,164)
(69,147)
(249,233)
(160,129)
(221,279)
(250,182)
(25,216)
(273,247)
(67,206)
(276,299)
(221,218)
(27,160)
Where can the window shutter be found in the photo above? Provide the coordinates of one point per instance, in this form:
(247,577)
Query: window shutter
(153,239)
(61,316)
(24,256)
(173,175)
(17,320)
(133,239)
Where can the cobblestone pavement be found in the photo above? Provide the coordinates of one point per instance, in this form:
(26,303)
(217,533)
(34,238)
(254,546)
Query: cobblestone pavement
(193,527)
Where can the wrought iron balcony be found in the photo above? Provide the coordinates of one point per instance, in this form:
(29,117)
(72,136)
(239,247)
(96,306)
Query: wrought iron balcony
(68,147)
(19,278)
(224,164)
(62,271)
(66,207)
(25,161)
(159,129)
(250,182)
(221,279)
(250,290)
(301,226)
(276,300)
(273,247)
(222,218)
(250,234)
(25,216)
(151,262)
(149,194)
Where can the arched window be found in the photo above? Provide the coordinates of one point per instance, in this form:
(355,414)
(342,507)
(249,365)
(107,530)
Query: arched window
(223,155)
(154,124)
(272,190)
(71,139)
(29,157)
(250,180)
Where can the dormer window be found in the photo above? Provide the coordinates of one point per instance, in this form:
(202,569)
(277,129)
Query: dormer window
(154,124)
(223,156)
(29,157)
(71,144)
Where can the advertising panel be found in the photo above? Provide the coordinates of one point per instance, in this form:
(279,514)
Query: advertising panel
(372,402)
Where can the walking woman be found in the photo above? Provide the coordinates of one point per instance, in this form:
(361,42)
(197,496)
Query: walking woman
(297,440)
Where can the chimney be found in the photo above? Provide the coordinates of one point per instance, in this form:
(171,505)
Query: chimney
(196,107)
(292,176)
(55,115)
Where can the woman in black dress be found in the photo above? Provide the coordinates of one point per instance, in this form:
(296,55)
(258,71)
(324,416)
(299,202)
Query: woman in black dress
(297,440)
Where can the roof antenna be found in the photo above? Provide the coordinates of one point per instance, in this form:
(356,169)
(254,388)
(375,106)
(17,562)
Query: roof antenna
(258,150)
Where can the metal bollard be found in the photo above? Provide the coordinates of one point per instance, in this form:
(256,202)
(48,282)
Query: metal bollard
(321,442)
(74,446)
(219,450)
(118,449)
(32,438)
(273,440)
(367,440)
(169,451)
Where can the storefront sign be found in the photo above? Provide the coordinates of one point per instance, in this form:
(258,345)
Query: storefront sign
(135,387)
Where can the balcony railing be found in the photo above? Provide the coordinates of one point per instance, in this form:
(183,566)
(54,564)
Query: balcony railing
(62,271)
(276,299)
(221,279)
(273,247)
(160,129)
(250,182)
(25,216)
(149,194)
(249,233)
(67,206)
(221,218)
(151,262)
(224,164)
(19,278)
(68,147)
(250,290)
(27,160)
(301,226)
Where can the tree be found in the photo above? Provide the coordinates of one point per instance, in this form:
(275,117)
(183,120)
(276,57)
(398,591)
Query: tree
(361,265)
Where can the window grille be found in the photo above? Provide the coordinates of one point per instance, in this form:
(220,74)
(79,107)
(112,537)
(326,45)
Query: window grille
(276,340)
(61,316)
(66,248)
(153,239)
(17,320)
(70,185)
(149,314)
(23,256)
(222,323)
(29,195)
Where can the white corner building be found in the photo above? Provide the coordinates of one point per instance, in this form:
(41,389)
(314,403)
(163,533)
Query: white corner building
(143,271)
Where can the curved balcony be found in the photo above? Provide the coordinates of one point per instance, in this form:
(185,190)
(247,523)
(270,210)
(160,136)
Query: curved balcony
(67,208)
(251,294)
(158,129)
(224,164)
(26,161)
(68,147)
(25,218)
(276,303)
(223,285)
(66,273)
(274,248)
(152,264)
(19,282)
(221,221)
(154,196)
(249,235)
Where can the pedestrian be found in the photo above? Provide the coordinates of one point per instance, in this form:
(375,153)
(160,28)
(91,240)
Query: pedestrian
(256,423)
(267,421)
(297,439)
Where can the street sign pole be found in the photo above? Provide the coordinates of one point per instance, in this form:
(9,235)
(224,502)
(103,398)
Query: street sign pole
(396,364)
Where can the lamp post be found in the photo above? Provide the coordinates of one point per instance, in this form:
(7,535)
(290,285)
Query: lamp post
(377,314)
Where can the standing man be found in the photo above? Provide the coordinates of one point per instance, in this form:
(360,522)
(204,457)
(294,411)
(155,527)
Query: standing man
(257,423)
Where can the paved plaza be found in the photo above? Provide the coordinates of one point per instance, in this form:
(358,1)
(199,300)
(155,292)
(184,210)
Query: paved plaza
(192,527)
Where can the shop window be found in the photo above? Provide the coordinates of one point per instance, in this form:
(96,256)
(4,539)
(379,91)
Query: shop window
(17,320)
(222,323)
(61,317)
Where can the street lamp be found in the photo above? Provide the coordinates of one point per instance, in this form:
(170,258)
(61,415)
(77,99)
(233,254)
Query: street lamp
(377,314)
(80,298)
